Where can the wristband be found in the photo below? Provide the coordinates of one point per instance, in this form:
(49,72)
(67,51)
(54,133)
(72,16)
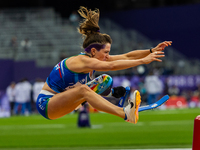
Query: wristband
(151,50)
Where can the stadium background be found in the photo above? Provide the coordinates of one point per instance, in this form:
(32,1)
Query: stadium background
(145,23)
(132,24)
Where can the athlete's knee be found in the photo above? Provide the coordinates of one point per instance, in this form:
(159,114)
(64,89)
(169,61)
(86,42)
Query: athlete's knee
(84,89)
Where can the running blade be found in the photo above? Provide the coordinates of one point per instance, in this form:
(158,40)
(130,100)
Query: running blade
(154,105)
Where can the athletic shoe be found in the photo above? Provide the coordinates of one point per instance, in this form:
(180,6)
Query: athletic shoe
(131,110)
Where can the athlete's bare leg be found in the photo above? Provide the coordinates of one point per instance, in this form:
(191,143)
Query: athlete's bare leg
(63,103)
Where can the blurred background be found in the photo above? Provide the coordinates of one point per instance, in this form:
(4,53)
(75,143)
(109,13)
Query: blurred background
(36,34)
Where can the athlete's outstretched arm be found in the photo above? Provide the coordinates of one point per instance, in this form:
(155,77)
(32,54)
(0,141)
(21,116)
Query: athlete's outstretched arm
(138,54)
(95,64)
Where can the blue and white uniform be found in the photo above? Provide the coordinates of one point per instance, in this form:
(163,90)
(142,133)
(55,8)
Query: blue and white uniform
(62,79)
(59,80)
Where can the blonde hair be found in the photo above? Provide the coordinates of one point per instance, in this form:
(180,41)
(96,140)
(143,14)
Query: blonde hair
(90,29)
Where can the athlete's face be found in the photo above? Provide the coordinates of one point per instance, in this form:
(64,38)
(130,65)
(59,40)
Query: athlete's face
(103,54)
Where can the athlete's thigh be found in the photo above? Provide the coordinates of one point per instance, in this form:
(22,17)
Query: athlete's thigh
(63,103)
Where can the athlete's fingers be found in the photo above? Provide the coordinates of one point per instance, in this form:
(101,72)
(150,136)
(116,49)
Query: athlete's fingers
(159,52)
(159,56)
(156,59)
(165,43)
(168,42)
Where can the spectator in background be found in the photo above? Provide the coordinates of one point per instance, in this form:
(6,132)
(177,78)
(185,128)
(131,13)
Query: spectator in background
(26,44)
(37,87)
(153,87)
(195,99)
(20,102)
(173,90)
(27,85)
(23,97)
(126,82)
(165,86)
(83,116)
(13,42)
(74,18)
(14,45)
(142,90)
(10,92)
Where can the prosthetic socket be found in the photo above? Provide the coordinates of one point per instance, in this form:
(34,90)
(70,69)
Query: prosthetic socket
(102,85)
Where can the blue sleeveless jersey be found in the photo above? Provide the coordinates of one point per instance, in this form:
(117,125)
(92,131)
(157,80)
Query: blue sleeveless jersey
(61,78)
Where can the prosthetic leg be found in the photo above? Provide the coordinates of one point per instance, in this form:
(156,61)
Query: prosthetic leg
(146,107)
(102,85)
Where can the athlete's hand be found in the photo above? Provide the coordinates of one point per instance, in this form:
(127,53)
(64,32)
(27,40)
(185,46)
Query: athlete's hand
(161,46)
(153,57)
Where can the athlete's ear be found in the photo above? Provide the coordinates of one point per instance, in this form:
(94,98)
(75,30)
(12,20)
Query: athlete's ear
(93,51)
